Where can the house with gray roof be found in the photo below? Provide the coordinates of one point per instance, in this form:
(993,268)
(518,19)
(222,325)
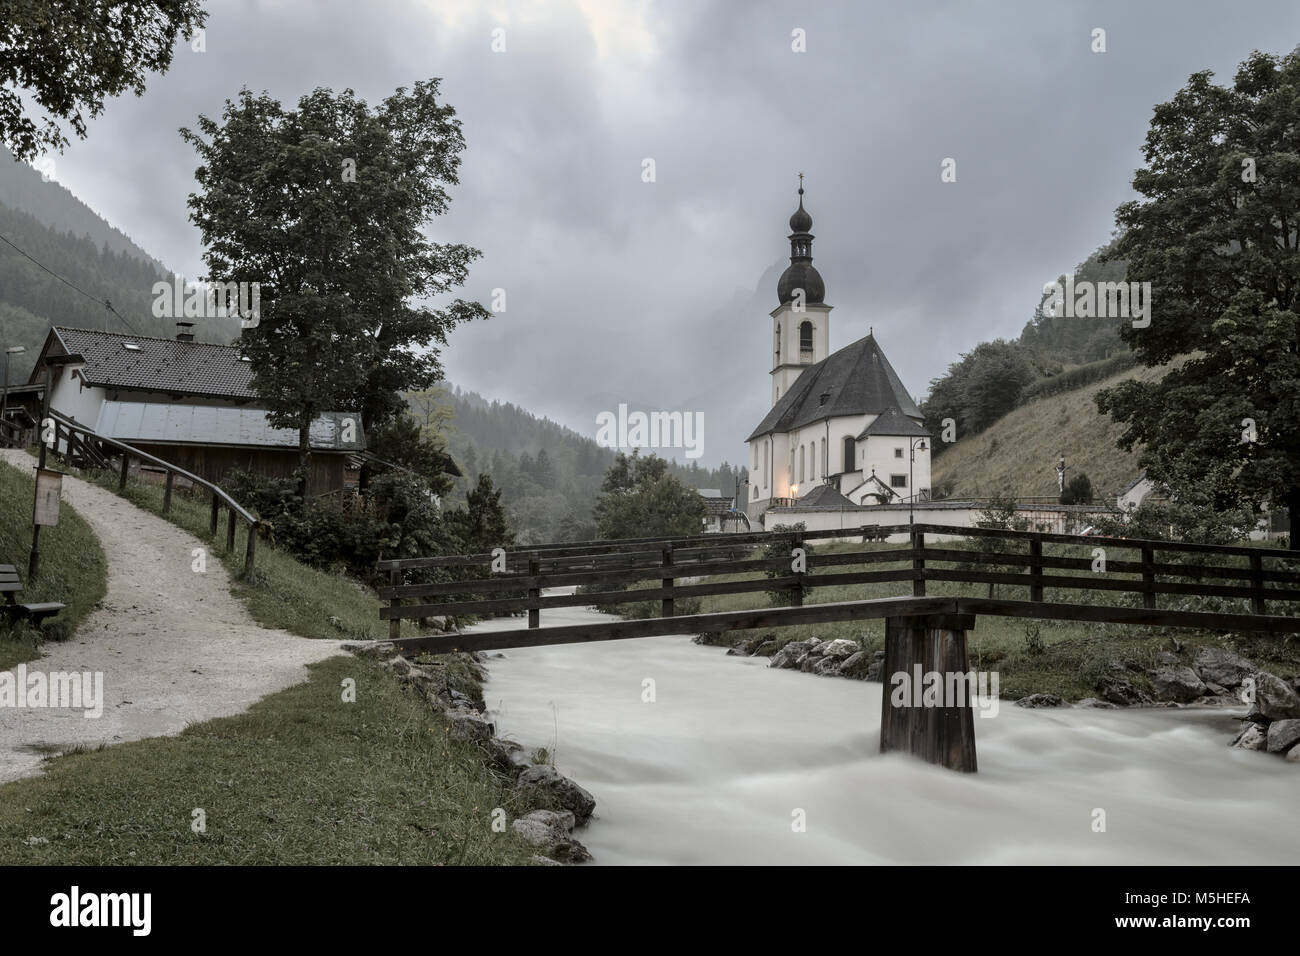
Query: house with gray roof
(839,419)
(188,403)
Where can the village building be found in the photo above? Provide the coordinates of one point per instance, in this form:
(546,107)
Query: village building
(840,421)
(189,404)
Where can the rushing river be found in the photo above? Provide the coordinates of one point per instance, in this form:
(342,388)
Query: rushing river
(714,770)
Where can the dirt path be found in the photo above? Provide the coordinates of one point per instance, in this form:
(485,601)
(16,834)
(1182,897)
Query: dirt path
(173,645)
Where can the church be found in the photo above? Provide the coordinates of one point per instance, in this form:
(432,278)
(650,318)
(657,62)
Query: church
(842,430)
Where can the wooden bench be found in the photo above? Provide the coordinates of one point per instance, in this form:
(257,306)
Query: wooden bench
(10,586)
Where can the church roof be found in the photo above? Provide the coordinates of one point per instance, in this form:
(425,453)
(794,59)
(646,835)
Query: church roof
(824,496)
(894,423)
(860,381)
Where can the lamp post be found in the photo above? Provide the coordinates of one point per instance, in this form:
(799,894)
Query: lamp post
(826,444)
(4,396)
(917,444)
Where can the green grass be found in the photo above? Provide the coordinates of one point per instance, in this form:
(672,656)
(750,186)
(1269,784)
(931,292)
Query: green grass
(73,569)
(301,778)
(284,592)
(1063,657)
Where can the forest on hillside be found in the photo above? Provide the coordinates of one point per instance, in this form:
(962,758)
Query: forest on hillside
(85,251)
(1053,353)
(550,475)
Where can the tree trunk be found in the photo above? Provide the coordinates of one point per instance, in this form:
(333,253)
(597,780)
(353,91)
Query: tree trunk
(304,458)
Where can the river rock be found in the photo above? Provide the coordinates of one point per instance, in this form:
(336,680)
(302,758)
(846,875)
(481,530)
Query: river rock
(398,664)
(1177,684)
(1274,698)
(1167,659)
(553,831)
(551,786)
(1282,735)
(501,756)
(380,650)
(790,655)
(1121,692)
(469,726)
(840,648)
(1252,737)
(826,667)
(1093,702)
(1220,666)
(855,665)
(767,648)
(1293,755)
(877,666)
(1040,700)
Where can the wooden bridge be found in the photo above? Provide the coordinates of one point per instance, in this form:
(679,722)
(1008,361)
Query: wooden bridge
(1120,581)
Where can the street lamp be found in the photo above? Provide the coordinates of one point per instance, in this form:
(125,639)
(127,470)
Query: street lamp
(4,396)
(826,445)
(917,444)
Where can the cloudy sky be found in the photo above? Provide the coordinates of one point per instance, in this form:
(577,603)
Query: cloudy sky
(658,294)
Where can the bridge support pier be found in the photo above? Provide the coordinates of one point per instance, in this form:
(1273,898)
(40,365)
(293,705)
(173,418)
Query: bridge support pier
(919,712)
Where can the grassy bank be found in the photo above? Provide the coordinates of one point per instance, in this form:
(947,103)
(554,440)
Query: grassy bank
(1058,657)
(301,778)
(73,569)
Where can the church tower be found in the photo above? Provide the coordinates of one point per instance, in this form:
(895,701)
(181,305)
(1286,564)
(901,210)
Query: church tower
(801,324)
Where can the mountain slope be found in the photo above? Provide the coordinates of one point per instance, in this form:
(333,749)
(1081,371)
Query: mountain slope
(1018,453)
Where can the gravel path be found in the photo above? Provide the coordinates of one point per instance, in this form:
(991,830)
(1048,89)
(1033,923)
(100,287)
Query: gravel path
(173,645)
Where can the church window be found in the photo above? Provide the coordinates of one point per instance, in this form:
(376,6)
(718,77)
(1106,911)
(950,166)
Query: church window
(898,481)
(898,453)
(801,461)
(828,465)
(850,452)
(806,337)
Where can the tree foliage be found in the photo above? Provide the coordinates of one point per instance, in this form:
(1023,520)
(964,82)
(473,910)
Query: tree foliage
(323,206)
(1215,233)
(641,500)
(70,56)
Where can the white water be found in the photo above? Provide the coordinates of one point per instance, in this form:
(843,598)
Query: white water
(712,771)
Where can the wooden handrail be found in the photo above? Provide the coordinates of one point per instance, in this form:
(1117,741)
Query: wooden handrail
(1029,569)
(235,509)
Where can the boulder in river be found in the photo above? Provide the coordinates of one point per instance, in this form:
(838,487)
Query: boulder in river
(840,648)
(790,655)
(1283,735)
(1094,703)
(1177,684)
(1252,737)
(855,665)
(1040,700)
(1216,665)
(552,830)
(1274,699)
(826,666)
(550,786)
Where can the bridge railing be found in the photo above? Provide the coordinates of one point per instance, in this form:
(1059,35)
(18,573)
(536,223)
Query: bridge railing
(601,573)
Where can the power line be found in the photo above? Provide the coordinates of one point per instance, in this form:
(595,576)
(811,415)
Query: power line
(106,303)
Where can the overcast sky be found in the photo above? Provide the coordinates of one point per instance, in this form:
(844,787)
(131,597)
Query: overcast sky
(658,294)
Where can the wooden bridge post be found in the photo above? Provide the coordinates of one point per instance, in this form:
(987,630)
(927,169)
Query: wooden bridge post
(250,550)
(1036,568)
(914,647)
(167,492)
(1257,584)
(796,592)
(666,607)
(918,563)
(534,592)
(212,523)
(1148,577)
(126,464)
(395,622)
(230,532)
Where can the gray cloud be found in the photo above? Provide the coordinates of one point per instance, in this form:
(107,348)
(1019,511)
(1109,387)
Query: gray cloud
(659,293)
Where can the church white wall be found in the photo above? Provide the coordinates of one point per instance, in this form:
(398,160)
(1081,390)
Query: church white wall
(1061,520)
(879,452)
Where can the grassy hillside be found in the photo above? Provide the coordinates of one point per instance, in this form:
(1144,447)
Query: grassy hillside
(73,568)
(1018,453)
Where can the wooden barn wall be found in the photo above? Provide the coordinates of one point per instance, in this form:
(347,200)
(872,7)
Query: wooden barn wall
(212,464)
